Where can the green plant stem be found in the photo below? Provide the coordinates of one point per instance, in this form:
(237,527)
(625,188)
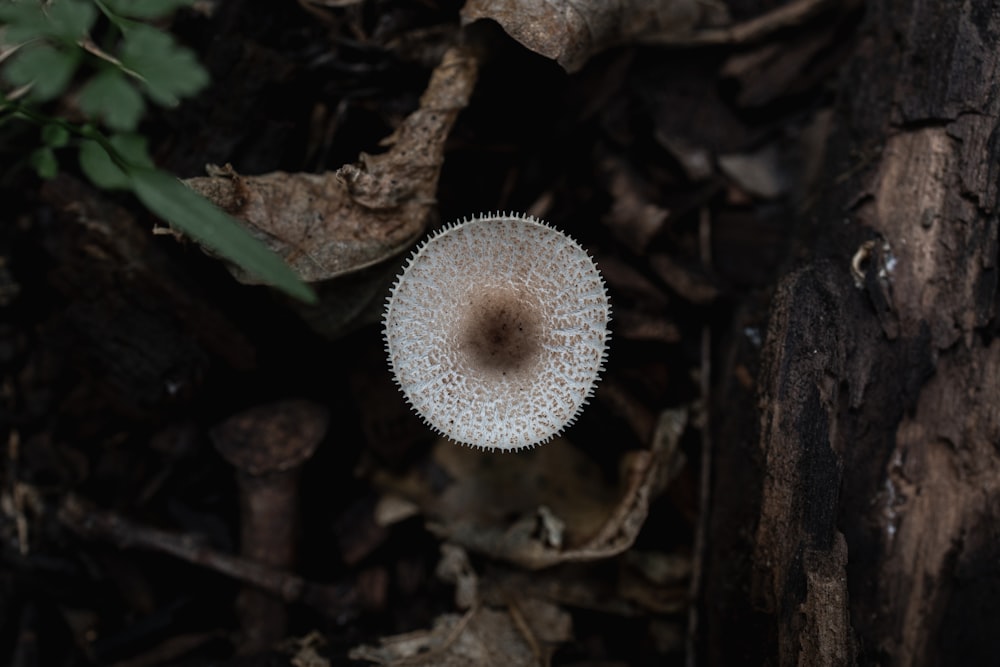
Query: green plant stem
(18,110)
(122,24)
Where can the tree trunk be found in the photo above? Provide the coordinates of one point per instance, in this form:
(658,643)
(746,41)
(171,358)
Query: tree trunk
(876,535)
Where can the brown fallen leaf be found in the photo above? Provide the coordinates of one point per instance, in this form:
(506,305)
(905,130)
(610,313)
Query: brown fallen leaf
(642,326)
(481,636)
(623,589)
(455,568)
(655,581)
(630,285)
(510,629)
(336,223)
(759,174)
(689,283)
(545,506)
(303,650)
(635,218)
(641,306)
(571,31)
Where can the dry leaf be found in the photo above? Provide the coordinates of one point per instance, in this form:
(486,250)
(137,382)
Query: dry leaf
(635,218)
(470,496)
(575,585)
(771,72)
(571,31)
(693,158)
(455,568)
(760,174)
(688,283)
(631,324)
(631,285)
(483,636)
(303,650)
(655,581)
(328,225)
(628,592)
(562,508)
(641,307)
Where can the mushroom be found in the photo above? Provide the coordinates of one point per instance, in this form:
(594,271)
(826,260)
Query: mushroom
(497,331)
(268,445)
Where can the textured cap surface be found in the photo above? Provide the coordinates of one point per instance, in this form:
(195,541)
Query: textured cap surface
(273,437)
(496,331)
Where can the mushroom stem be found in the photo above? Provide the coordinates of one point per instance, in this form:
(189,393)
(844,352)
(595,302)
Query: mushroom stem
(268,526)
(267,445)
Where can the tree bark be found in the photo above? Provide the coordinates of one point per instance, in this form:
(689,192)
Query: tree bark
(875,538)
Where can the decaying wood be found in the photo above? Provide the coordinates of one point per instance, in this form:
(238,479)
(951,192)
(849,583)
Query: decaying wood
(876,536)
(799,552)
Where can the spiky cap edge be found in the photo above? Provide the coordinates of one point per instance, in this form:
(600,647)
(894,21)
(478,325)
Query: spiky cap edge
(419,250)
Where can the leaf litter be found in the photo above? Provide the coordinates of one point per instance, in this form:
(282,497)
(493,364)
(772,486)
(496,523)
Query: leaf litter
(572,31)
(340,222)
(524,540)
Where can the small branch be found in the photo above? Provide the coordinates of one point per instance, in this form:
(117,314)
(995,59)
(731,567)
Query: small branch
(753,30)
(88,45)
(705,477)
(335,601)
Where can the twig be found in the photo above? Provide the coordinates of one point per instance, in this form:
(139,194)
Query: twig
(522,625)
(787,16)
(335,601)
(705,477)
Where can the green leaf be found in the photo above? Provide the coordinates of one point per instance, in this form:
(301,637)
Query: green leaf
(24,21)
(47,68)
(145,9)
(71,19)
(55,135)
(112,99)
(191,213)
(100,168)
(168,70)
(44,162)
(103,170)
(66,20)
(185,209)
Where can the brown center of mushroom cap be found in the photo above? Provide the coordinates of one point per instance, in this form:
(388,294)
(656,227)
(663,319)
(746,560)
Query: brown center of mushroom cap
(501,332)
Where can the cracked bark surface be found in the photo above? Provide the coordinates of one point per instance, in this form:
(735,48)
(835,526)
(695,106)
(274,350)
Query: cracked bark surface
(871,531)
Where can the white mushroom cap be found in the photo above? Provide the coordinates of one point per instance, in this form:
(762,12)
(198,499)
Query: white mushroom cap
(496,331)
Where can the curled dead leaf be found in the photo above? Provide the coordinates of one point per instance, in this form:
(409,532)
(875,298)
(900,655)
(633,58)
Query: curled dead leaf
(571,31)
(336,223)
(563,509)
